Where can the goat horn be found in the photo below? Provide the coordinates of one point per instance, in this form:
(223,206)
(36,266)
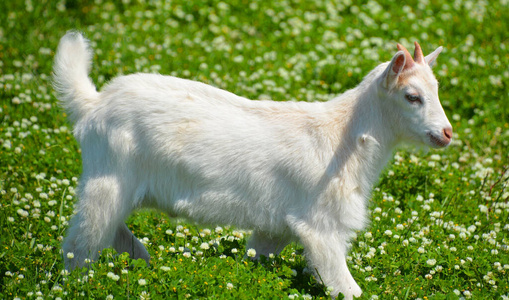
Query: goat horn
(418,56)
(409,59)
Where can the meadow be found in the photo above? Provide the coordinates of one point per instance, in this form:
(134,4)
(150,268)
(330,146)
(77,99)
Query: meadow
(439,218)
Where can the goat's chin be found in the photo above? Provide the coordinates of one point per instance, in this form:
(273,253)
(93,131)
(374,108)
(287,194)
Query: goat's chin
(437,142)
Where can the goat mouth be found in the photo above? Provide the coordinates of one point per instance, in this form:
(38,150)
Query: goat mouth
(438,142)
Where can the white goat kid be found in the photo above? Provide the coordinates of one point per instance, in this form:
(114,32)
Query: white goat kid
(287,170)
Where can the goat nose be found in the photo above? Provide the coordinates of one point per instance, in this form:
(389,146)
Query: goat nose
(448,133)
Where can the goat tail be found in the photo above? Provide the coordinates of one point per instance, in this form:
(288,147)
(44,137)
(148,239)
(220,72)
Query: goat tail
(75,90)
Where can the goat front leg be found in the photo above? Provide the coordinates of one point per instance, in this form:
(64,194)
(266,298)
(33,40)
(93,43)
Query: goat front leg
(265,244)
(125,241)
(326,254)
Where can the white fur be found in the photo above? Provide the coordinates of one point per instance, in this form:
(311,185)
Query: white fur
(287,170)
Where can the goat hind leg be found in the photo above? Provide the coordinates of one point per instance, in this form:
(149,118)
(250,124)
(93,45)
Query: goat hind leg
(99,211)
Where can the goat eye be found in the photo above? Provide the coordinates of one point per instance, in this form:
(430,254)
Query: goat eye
(413,98)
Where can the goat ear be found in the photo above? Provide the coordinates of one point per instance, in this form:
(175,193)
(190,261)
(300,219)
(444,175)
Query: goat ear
(394,69)
(432,57)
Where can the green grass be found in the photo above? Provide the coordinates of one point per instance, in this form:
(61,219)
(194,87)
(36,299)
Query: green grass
(439,225)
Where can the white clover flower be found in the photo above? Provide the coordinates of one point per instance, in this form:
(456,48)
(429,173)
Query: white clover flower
(144,295)
(70,255)
(436,157)
(219,230)
(22,212)
(251,252)
(142,282)
(113,276)
(165,269)
(229,286)
(234,250)
(186,254)
(421,250)
(388,232)
(205,246)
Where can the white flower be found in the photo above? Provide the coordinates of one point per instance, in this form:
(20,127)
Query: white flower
(431,262)
(251,252)
(229,286)
(205,246)
(144,295)
(70,255)
(22,212)
(435,157)
(142,281)
(164,268)
(113,276)
(388,232)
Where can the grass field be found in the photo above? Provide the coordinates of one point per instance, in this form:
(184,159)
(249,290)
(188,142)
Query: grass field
(439,227)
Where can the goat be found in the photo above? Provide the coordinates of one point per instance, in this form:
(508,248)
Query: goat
(290,171)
